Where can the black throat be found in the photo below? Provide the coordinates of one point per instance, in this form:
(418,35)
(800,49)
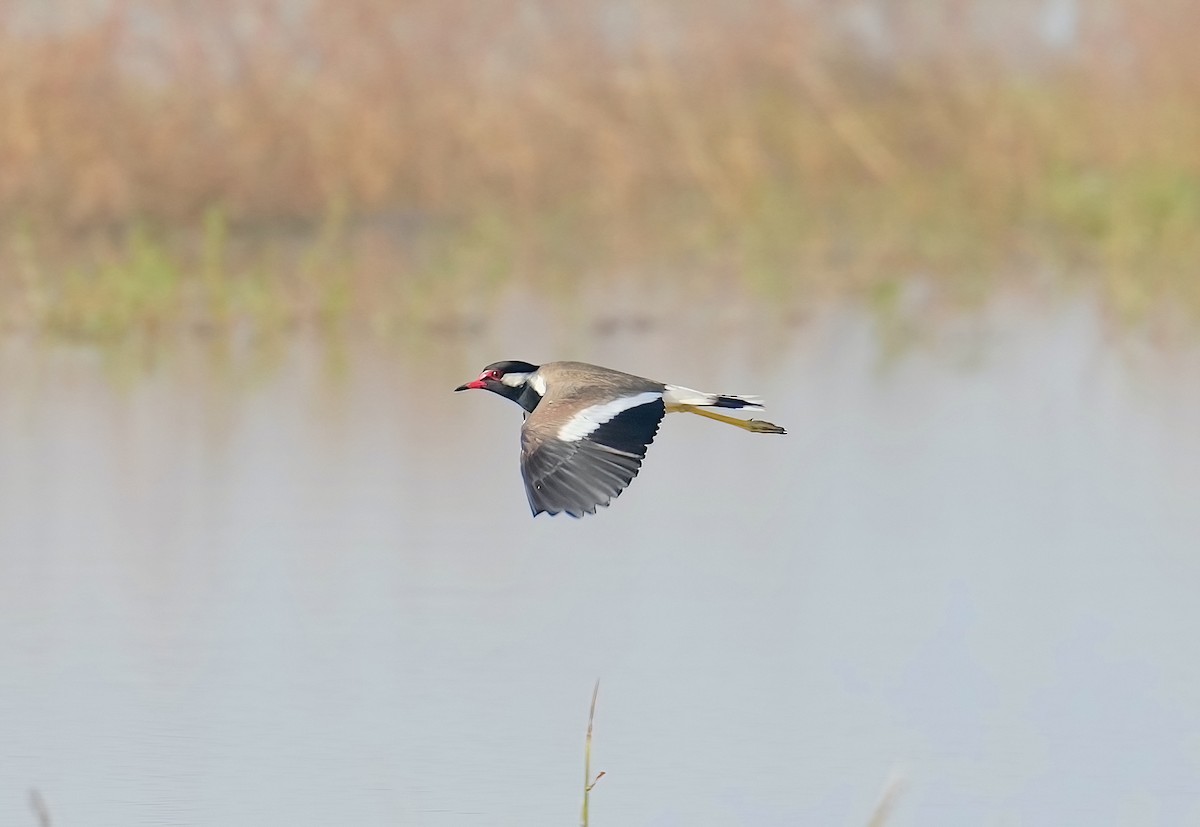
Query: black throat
(528,398)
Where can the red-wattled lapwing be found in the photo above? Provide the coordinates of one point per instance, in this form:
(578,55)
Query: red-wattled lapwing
(587,428)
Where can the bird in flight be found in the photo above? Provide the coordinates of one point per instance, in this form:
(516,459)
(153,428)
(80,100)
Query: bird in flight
(587,428)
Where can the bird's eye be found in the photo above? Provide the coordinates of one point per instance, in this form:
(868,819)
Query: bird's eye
(493,374)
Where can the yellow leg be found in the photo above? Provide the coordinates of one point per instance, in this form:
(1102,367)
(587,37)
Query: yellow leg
(754,426)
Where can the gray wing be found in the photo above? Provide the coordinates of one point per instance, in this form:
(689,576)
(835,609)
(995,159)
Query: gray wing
(578,476)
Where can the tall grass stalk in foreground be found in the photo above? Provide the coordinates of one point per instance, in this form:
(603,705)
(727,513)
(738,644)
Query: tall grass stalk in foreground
(887,801)
(879,816)
(588,781)
(40,810)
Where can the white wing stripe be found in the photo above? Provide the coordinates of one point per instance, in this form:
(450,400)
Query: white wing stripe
(589,419)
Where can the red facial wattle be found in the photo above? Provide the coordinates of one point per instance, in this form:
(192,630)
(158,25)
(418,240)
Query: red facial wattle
(482,382)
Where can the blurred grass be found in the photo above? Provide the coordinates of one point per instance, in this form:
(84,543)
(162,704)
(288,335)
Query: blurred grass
(179,166)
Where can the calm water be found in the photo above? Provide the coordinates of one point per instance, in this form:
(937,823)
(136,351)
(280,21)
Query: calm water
(309,595)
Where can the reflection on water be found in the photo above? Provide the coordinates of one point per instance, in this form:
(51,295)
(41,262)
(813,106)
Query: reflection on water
(319,598)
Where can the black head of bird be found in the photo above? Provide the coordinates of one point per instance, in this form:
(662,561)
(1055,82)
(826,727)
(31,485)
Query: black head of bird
(587,428)
(508,379)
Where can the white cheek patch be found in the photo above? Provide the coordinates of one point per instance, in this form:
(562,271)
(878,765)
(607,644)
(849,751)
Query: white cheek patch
(515,380)
(589,419)
(538,382)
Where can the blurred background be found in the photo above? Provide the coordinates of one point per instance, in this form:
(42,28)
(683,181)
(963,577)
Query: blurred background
(258,565)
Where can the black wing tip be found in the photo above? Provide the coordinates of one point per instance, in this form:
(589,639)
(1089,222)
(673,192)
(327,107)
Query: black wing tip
(580,511)
(576,513)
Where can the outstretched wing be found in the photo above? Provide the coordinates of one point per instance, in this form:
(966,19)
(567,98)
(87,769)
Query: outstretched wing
(581,464)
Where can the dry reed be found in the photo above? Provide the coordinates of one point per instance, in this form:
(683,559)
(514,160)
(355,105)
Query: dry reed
(283,161)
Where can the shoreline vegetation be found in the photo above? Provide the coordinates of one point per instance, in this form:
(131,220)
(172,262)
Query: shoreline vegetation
(170,167)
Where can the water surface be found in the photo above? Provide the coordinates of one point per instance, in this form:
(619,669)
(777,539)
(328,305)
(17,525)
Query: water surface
(313,594)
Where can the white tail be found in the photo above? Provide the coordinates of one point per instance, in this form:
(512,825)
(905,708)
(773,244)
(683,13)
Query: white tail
(677,395)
